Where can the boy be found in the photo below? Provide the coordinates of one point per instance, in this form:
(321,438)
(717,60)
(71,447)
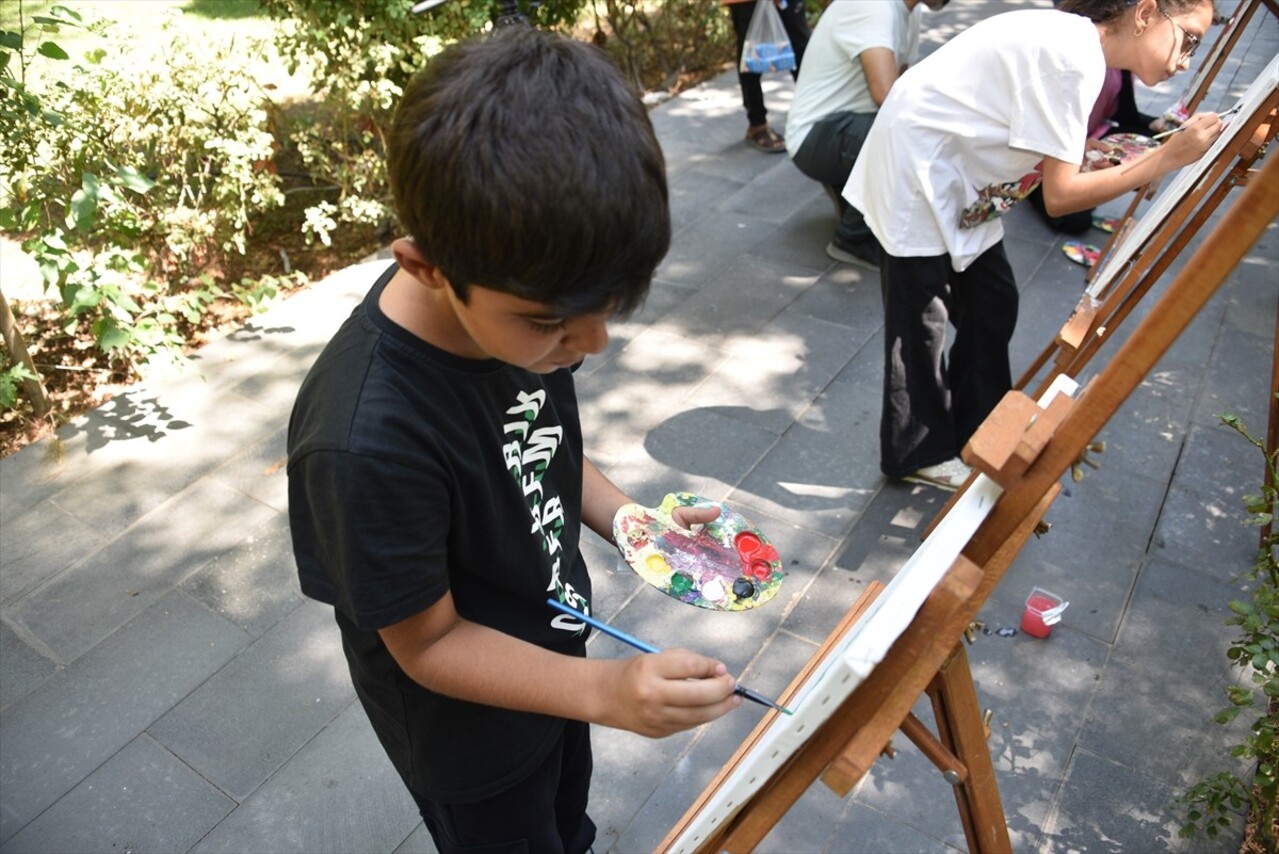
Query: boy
(437,484)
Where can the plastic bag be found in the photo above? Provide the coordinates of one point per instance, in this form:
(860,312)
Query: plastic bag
(767,47)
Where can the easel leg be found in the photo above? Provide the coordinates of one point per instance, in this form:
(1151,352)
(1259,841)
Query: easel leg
(961,729)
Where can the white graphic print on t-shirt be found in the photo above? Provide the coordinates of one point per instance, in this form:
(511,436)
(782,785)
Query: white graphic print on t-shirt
(527,454)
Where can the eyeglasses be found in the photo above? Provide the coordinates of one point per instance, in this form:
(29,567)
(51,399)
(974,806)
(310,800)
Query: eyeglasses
(1189,41)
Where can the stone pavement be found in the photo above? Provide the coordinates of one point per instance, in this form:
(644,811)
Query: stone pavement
(164,686)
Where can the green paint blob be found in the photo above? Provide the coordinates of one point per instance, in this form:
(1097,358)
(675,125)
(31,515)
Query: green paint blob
(681,583)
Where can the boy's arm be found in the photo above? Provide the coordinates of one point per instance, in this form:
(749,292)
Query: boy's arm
(1067,189)
(653,695)
(601,499)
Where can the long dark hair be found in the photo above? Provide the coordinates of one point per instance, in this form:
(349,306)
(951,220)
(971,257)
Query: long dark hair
(1106,11)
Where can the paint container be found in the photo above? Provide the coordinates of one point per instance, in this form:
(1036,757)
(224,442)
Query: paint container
(1043,611)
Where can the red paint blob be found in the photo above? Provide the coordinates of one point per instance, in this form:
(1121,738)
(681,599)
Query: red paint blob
(747,544)
(761,569)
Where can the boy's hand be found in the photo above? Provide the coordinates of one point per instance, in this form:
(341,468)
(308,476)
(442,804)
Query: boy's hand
(698,514)
(668,692)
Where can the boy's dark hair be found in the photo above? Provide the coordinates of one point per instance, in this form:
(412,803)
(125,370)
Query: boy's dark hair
(524,163)
(1105,11)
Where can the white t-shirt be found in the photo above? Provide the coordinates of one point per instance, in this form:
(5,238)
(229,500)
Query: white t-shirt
(831,79)
(961,135)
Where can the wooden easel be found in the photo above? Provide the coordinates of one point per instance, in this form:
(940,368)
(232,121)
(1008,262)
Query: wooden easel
(1193,95)
(1093,323)
(1027,450)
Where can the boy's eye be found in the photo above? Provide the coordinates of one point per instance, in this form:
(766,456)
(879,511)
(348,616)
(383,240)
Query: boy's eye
(547,326)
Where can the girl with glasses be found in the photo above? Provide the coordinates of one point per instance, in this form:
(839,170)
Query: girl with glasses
(961,137)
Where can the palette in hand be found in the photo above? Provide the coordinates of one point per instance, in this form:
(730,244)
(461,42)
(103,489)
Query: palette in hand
(1122,148)
(728,565)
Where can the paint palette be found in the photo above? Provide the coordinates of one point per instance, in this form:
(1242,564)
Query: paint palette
(1123,147)
(728,565)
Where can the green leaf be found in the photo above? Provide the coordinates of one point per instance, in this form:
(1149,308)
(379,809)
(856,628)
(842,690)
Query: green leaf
(109,335)
(83,210)
(11,41)
(52,51)
(54,241)
(59,9)
(81,299)
(132,179)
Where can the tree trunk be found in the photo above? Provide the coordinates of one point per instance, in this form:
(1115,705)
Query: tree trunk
(34,388)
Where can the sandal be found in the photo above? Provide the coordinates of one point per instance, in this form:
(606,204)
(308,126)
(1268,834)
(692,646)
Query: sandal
(1080,252)
(765,139)
(1105,223)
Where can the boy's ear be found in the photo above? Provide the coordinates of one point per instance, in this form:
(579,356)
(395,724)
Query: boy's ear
(413,262)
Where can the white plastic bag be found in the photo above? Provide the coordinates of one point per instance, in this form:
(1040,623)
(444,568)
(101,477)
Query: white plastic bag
(767,47)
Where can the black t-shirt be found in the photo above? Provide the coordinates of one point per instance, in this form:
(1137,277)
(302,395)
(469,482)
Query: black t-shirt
(413,472)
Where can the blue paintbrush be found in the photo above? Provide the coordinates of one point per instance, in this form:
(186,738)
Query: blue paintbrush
(648,647)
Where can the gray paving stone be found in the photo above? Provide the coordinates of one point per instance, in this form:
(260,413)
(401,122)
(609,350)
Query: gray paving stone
(774,194)
(674,781)
(39,544)
(419,842)
(173,442)
(22,668)
(1108,808)
(31,475)
(801,239)
(703,451)
(770,386)
(141,799)
(239,727)
(254,583)
(629,769)
(1228,389)
(90,600)
(1154,707)
(863,830)
(1205,531)
(699,253)
(884,537)
(734,307)
(1145,436)
(1083,523)
(811,826)
(259,471)
(663,297)
(644,384)
(78,718)
(847,297)
(825,468)
(338,794)
(689,194)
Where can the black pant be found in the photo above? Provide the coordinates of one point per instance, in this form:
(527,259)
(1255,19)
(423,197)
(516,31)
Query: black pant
(933,404)
(827,156)
(545,813)
(796,30)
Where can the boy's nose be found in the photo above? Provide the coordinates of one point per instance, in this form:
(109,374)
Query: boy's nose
(588,336)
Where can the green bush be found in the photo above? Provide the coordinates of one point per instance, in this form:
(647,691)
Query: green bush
(359,55)
(128,173)
(1212,802)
